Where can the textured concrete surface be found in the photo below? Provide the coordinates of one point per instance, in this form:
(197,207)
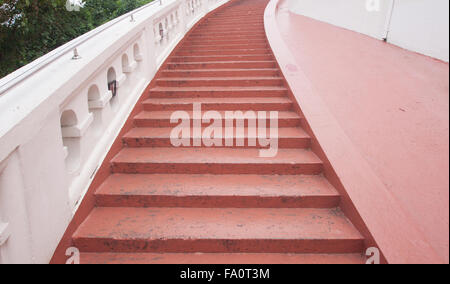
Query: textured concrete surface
(214,191)
(217,230)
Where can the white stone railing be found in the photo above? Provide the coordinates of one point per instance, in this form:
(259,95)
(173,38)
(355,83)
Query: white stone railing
(59,117)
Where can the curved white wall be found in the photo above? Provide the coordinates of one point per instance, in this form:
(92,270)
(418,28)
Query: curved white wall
(421,26)
(417,25)
(349,14)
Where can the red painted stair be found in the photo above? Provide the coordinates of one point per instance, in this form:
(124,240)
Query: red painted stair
(165,204)
(218,230)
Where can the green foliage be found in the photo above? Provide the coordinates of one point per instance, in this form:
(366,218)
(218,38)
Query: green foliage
(32,28)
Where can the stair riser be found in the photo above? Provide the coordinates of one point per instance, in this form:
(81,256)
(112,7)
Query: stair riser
(230,29)
(217,201)
(194,43)
(223,22)
(231,258)
(197,45)
(219,246)
(237,17)
(211,46)
(221,106)
(223,52)
(228,35)
(211,32)
(239,11)
(263,57)
(222,73)
(217,94)
(253,25)
(217,169)
(221,65)
(222,17)
(231,26)
(283,143)
(222,83)
(210,29)
(223,37)
(231,40)
(293,122)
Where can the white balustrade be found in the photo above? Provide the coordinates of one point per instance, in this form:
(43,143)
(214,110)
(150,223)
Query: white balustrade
(60,115)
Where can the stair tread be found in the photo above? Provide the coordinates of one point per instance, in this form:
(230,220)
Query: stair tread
(164,132)
(235,36)
(213,156)
(216,223)
(262,78)
(231,72)
(231,45)
(219,62)
(219,258)
(264,52)
(168,114)
(225,41)
(217,56)
(206,100)
(222,69)
(212,185)
(221,88)
(192,53)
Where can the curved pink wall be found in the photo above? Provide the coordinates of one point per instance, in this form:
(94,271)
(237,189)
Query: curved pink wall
(389,112)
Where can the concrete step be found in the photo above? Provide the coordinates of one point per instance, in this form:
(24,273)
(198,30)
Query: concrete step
(218,20)
(229,34)
(212,191)
(208,46)
(215,40)
(221,65)
(219,258)
(217,92)
(218,104)
(225,37)
(290,138)
(163,119)
(226,26)
(215,161)
(212,29)
(221,82)
(237,17)
(223,23)
(196,73)
(218,52)
(217,230)
(215,58)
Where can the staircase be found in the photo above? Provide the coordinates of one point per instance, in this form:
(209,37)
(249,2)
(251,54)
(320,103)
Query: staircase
(163,204)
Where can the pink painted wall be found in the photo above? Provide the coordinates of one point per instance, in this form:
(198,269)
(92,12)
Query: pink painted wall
(393,105)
